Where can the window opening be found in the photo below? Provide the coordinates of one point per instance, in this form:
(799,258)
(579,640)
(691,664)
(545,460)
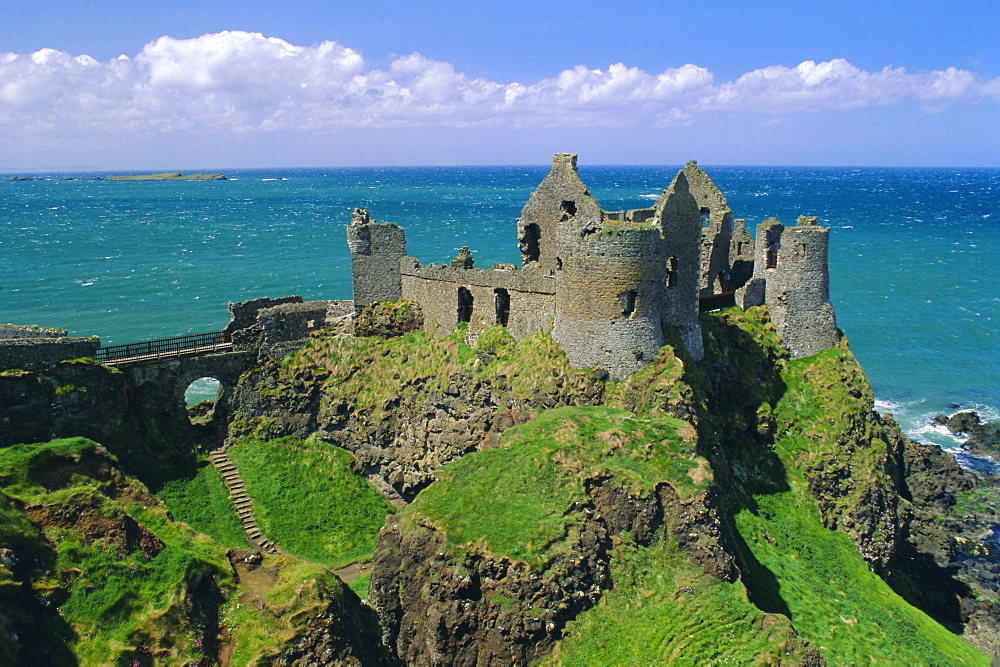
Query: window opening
(201,396)
(671,271)
(706,216)
(464,304)
(530,243)
(502,306)
(772,257)
(628,303)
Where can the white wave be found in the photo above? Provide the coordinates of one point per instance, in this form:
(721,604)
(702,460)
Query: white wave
(652,196)
(885,405)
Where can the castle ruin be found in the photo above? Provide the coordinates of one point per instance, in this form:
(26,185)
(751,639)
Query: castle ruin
(607,282)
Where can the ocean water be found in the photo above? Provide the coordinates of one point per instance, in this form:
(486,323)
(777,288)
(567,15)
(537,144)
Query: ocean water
(913,253)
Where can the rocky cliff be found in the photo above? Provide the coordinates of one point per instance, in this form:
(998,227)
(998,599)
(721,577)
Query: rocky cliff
(745,507)
(799,437)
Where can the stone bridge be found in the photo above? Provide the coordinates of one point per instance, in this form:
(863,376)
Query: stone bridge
(160,384)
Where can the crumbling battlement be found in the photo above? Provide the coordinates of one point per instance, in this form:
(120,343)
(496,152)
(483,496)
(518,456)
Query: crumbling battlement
(26,346)
(26,353)
(606,283)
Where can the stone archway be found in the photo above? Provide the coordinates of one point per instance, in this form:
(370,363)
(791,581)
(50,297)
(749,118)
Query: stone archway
(201,397)
(160,390)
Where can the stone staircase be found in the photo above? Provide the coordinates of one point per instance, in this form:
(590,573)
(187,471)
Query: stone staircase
(243,502)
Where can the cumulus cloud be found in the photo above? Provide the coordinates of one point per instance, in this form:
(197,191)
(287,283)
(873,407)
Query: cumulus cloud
(244,82)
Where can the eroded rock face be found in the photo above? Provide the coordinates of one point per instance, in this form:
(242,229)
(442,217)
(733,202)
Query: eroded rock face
(417,431)
(95,521)
(439,605)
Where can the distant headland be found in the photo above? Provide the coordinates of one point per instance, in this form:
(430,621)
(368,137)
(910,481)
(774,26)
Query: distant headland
(166,176)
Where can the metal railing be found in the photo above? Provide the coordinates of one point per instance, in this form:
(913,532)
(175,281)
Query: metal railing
(179,346)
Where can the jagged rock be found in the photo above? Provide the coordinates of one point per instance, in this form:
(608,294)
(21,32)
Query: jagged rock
(389,319)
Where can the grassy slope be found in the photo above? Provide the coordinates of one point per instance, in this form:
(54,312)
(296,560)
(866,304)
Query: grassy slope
(665,609)
(260,627)
(203,502)
(814,575)
(308,500)
(516,500)
(115,605)
(367,373)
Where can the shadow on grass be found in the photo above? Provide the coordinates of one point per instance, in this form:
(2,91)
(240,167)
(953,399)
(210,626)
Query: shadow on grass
(739,377)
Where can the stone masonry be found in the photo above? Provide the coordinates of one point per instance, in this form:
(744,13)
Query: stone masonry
(606,283)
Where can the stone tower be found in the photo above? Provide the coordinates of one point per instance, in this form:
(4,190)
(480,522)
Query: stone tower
(792,277)
(376,249)
(561,201)
(679,216)
(609,298)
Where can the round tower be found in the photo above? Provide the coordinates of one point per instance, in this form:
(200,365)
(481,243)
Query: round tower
(798,289)
(609,293)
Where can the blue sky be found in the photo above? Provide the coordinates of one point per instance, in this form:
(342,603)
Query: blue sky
(183,85)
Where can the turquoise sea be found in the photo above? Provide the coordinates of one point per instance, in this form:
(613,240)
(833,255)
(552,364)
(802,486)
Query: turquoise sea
(913,256)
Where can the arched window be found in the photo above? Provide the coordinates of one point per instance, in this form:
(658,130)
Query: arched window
(201,396)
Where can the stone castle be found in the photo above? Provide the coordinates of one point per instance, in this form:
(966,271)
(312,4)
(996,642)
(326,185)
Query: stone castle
(607,282)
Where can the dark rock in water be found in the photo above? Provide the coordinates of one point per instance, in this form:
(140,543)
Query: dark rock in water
(984,440)
(963,422)
(984,437)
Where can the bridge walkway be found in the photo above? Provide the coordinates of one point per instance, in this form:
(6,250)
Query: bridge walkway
(192,345)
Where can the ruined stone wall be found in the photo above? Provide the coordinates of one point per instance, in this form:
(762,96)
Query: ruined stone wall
(9,331)
(741,256)
(609,296)
(798,290)
(717,228)
(435,288)
(680,221)
(278,329)
(243,314)
(376,249)
(561,200)
(31,352)
(766,245)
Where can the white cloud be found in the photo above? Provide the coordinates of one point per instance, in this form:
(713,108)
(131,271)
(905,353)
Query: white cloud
(245,82)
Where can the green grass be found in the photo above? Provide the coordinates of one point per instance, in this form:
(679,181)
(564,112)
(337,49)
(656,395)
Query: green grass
(664,609)
(116,605)
(360,584)
(258,629)
(368,374)
(833,599)
(795,565)
(203,502)
(24,467)
(308,500)
(516,500)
